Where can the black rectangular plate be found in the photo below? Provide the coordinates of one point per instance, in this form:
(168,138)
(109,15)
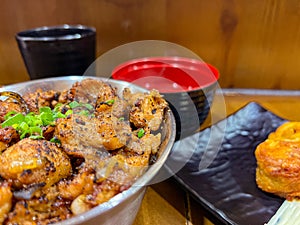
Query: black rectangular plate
(226,189)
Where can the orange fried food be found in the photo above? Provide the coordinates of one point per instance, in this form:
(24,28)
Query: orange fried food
(278,162)
(31,162)
(147,110)
(7,106)
(41,98)
(5,200)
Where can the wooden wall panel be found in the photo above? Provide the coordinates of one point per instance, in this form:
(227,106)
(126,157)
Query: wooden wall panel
(254,44)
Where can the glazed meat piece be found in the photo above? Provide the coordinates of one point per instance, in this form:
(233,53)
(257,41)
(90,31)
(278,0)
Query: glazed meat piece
(8,106)
(89,90)
(115,107)
(14,102)
(102,193)
(46,207)
(278,162)
(5,200)
(81,183)
(147,110)
(78,132)
(41,98)
(31,162)
(8,136)
(119,173)
(148,144)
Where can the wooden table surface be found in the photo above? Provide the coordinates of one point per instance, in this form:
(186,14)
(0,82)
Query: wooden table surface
(166,202)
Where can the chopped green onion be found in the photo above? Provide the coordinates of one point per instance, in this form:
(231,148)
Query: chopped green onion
(55,140)
(141,133)
(74,104)
(47,118)
(15,119)
(24,133)
(45,109)
(110,102)
(23,126)
(36,129)
(15,126)
(36,137)
(9,114)
(84,113)
(60,115)
(69,112)
(88,106)
(31,124)
(87,111)
(57,107)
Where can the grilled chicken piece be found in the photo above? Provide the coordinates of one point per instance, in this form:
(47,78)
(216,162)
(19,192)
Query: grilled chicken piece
(115,133)
(147,110)
(105,191)
(41,98)
(76,189)
(102,193)
(125,165)
(81,183)
(148,144)
(5,200)
(78,133)
(46,207)
(64,97)
(38,213)
(31,162)
(8,106)
(112,107)
(89,90)
(8,136)
(116,174)
(130,162)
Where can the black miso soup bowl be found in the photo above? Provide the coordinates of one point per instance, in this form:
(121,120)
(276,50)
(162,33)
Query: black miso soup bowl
(188,85)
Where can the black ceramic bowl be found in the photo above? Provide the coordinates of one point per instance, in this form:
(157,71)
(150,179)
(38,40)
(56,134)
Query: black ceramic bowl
(57,50)
(187,84)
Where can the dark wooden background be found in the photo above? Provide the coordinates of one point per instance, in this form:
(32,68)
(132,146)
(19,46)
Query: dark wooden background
(254,44)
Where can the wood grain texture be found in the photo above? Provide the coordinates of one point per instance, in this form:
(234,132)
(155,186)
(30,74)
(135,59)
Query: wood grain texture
(156,210)
(254,44)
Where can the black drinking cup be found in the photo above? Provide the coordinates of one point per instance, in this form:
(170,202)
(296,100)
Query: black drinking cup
(57,50)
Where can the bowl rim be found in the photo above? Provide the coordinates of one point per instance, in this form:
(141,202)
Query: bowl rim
(88,31)
(141,182)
